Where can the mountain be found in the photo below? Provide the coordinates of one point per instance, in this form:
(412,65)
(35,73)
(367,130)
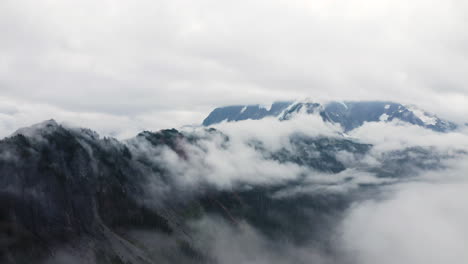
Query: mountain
(60,185)
(349,115)
(244,112)
(144,200)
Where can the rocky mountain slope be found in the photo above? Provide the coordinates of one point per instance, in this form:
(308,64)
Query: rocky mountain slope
(71,196)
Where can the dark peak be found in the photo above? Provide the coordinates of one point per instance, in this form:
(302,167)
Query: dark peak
(50,129)
(50,122)
(210,132)
(147,133)
(165,136)
(89,133)
(42,128)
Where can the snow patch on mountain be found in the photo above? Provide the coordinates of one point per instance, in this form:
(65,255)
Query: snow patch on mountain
(383,117)
(266,107)
(425,117)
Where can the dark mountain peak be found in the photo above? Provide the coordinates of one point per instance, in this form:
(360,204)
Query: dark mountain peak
(164,136)
(44,127)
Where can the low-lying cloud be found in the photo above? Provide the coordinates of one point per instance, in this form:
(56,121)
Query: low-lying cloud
(398,196)
(416,219)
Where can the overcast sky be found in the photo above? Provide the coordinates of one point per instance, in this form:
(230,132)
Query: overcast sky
(122,66)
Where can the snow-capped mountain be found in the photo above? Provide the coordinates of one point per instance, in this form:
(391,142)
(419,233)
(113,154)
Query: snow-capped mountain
(348,114)
(244,112)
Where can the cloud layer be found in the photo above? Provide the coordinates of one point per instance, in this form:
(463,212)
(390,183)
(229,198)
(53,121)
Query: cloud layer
(416,218)
(168,63)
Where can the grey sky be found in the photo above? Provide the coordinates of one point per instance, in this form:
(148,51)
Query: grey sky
(122,66)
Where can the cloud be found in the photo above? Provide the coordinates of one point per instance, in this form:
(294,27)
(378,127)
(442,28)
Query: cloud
(15,114)
(230,156)
(274,133)
(146,58)
(214,160)
(244,244)
(420,219)
(396,135)
(418,223)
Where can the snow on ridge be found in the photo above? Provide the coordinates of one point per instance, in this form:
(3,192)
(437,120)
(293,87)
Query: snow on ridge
(243,109)
(384,117)
(266,107)
(287,109)
(426,118)
(343,104)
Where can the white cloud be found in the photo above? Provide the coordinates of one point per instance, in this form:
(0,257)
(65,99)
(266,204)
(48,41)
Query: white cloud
(397,135)
(15,114)
(224,164)
(244,244)
(274,133)
(168,57)
(420,223)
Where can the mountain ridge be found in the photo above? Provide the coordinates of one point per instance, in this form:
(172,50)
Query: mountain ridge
(61,185)
(348,114)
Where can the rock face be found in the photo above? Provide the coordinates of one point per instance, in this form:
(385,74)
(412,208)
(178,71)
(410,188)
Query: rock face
(69,189)
(59,184)
(349,115)
(244,112)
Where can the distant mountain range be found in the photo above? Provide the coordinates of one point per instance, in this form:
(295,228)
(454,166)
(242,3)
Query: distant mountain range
(348,114)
